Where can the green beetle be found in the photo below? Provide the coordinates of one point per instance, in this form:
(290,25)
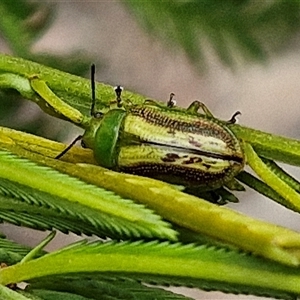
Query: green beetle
(163,142)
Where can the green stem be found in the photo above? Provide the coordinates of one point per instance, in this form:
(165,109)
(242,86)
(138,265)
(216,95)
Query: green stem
(269,145)
(267,175)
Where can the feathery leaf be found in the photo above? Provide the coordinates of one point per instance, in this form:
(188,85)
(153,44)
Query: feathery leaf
(190,265)
(47,187)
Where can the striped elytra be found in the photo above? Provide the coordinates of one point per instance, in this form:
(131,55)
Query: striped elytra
(172,145)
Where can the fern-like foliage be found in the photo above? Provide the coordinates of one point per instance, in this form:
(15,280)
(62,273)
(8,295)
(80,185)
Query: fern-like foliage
(98,288)
(250,30)
(112,263)
(45,200)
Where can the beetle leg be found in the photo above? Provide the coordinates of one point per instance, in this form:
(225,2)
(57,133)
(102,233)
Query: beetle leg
(196,105)
(234,185)
(150,102)
(118,90)
(233,118)
(172,102)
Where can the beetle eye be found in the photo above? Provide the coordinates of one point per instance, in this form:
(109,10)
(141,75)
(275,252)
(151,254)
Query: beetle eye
(83,145)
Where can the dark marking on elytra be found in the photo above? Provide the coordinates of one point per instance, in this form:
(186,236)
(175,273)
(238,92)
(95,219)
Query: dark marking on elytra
(192,160)
(207,166)
(193,142)
(170,157)
(212,162)
(213,143)
(235,158)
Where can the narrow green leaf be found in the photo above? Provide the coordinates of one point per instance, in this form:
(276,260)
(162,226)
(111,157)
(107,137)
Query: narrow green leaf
(240,272)
(262,188)
(283,175)
(268,176)
(42,211)
(68,112)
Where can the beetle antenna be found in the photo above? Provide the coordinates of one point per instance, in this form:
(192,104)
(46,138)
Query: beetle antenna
(93,70)
(69,147)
